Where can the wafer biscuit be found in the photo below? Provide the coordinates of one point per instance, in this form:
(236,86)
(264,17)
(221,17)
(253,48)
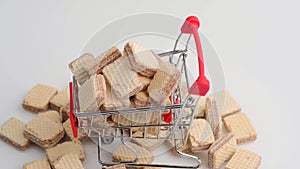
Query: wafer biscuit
(149,144)
(69,132)
(11,132)
(240,125)
(214,118)
(38,98)
(226,104)
(105,59)
(221,150)
(123,154)
(68,161)
(65,112)
(61,99)
(92,93)
(112,102)
(80,67)
(44,132)
(142,60)
(51,115)
(161,87)
(39,164)
(124,121)
(123,81)
(244,159)
(54,153)
(141,99)
(201,111)
(120,166)
(201,135)
(185,148)
(145,82)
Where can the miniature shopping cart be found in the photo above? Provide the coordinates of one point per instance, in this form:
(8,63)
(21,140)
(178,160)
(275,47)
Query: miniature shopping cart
(175,124)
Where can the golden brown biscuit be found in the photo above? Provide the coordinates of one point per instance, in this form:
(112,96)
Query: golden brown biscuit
(123,154)
(201,135)
(44,132)
(221,150)
(11,132)
(60,100)
(240,125)
(244,159)
(39,164)
(214,118)
(38,98)
(92,93)
(226,104)
(142,60)
(80,67)
(54,153)
(123,81)
(68,161)
(51,115)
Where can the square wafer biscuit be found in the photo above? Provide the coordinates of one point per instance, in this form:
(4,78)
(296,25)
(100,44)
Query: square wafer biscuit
(201,135)
(240,125)
(11,132)
(92,93)
(225,102)
(149,144)
(39,164)
(123,81)
(214,118)
(105,59)
(125,154)
(112,102)
(69,132)
(68,161)
(61,99)
(38,98)
(44,132)
(221,150)
(142,60)
(80,67)
(54,153)
(244,159)
(51,115)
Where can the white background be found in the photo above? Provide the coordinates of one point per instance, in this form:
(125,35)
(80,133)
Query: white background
(257,42)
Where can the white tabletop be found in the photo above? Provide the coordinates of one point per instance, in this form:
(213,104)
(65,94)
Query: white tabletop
(257,44)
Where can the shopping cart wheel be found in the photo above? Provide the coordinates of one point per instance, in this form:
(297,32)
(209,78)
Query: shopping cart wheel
(107,139)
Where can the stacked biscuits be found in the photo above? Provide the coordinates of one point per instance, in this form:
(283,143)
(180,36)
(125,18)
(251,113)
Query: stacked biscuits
(50,129)
(218,128)
(136,77)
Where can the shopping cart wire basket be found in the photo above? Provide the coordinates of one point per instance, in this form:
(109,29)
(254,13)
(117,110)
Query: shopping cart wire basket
(175,125)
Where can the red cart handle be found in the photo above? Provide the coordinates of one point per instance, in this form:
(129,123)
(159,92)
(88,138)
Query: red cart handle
(73,119)
(201,85)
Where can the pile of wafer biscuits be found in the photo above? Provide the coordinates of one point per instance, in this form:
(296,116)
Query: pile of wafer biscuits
(49,129)
(218,130)
(133,78)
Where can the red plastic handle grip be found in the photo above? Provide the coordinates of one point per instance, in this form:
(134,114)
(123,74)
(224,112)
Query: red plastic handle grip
(191,26)
(73,119)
